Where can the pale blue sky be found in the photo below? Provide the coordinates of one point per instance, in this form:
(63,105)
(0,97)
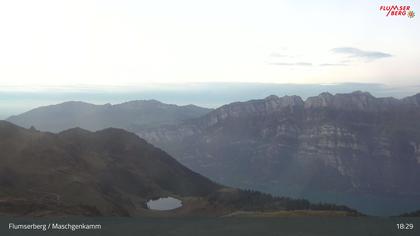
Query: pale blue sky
(186,51)
(126,42)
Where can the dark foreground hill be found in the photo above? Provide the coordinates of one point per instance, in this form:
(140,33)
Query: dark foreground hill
(352,147)
(110,172)
(129,115)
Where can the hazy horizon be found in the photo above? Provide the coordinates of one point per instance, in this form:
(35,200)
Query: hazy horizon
(211,95)
(204,53)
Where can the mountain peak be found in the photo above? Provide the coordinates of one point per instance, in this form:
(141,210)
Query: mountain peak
(272,97)
(325,94)
(412,100)
(357,100)
(129,115)
(75,130)
(275,103)
(361,93)
(151,101)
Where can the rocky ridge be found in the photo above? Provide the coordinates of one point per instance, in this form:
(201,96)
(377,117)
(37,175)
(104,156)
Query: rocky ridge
(344,143)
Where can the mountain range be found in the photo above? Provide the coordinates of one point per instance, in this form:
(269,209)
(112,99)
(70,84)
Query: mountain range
(111,173)
(129,115)
(352,149)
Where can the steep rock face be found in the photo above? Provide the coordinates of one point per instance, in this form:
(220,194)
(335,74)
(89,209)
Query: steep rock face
(346,143)
(263,107)
(355,101)
(413,100)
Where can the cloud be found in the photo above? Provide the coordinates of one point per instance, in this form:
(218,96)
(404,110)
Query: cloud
(291,64)
(351,55)
(358,53)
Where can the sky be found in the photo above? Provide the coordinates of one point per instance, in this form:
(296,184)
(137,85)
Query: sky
(128,42)
(70,47)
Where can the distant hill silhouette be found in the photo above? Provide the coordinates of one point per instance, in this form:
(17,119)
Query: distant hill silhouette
(129,115)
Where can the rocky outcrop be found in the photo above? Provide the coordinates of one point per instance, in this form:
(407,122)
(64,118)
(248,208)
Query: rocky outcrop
(354,101)
(346,143)
(413,100)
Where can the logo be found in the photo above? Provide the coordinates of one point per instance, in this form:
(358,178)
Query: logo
(411,14)
(397,10)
